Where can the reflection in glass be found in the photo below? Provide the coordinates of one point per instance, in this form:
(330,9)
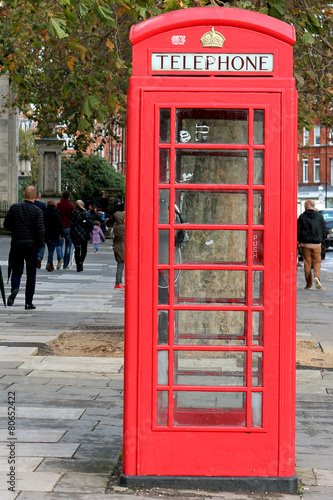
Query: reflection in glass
(164,203)
(257,328)
(197,166)
(258,167)
(214,126)
(211,328)
(212,207)
(163,246)
(258,287)
(213,368)
(257,369)
(256,407)
(259,126)
(258,207)
(164,166)
(211,286)
(162,407)
(164,125)
(213,408)
(214,246)
(258,248)
(163,286)
(162,367)
(163,327)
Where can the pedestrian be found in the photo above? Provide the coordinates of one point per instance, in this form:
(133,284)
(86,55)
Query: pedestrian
(97,235)
(53,231)
(119,247)
(40,204)
(65,207)
(103,219)
(310,236)
(25,222)
(81,227)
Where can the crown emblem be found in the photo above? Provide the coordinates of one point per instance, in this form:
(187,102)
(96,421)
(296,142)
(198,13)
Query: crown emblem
(212,39)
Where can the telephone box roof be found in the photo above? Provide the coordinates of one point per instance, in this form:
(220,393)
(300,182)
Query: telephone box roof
(217,16)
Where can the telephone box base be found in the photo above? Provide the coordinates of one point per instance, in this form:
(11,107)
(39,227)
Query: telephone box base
(235,484)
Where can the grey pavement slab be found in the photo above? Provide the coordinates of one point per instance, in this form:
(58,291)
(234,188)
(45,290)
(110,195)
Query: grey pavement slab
(33,481)
(42,412)
(24,464)
(36,436)
(85,465)
(65,450)
(77,482)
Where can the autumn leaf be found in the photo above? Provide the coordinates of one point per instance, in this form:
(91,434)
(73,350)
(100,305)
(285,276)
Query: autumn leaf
(109,44)
(71,63)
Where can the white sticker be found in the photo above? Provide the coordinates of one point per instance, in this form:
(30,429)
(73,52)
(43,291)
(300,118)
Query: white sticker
(178,40)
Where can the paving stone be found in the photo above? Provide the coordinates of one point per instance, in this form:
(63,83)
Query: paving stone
(8,495)
(82,483)
(65,450)
(87,465)
(325,476)
(101,451)
(307,477)
(34,436)
(308,388)
(33,481)
(24,464)
(39,412)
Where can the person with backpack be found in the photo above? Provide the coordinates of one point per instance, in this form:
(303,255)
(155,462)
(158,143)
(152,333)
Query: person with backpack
(81,227)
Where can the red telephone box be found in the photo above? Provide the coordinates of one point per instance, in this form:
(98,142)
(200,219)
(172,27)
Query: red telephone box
(211,253)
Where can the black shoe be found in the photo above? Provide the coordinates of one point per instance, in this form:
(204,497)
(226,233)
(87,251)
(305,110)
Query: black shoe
(79,267)
(12,296)
(30,306)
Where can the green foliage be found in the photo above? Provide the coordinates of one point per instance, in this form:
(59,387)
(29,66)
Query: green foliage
(88,176)
(71,59)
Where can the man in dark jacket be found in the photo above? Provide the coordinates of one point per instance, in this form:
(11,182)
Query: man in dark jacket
(310,235)
(25,222)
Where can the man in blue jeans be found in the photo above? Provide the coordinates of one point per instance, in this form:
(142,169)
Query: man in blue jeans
(65,208)
(26,223)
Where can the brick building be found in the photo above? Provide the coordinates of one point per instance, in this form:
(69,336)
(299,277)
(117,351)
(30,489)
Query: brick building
(315,167)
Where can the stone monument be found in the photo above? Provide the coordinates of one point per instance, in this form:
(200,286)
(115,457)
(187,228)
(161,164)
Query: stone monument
(8,145)
(49,173)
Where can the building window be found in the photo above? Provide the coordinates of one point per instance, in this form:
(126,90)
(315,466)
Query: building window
(317,135)
(331,163)
(306,170)
(316,170)
(305,137)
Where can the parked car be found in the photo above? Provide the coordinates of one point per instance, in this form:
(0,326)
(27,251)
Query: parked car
(327,213)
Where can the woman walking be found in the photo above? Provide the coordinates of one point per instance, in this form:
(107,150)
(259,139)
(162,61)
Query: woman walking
(53,231)
(81,227)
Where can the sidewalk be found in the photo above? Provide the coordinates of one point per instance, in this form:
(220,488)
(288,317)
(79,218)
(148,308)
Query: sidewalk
(68,411)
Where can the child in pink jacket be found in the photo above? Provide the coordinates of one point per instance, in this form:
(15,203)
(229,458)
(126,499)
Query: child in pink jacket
(97,235)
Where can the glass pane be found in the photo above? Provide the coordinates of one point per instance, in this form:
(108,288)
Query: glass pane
(201,408)
(163,327)
(258,126)
(215,126)
(258,287)
(164,202)
(257,328)
(214,247)
(163,246)
(164,166)
(256,406)
(258,167)
(211,286)
(162,407)
(197,166)
(212,207)
(210,328)
(163,286)
(164,125)
(257,369)
(258,207)
(209,368)
(258,248)
(162,367)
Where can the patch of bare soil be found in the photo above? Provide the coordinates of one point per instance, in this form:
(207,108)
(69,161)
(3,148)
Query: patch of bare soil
(310,354)
(103,343)
(86,343)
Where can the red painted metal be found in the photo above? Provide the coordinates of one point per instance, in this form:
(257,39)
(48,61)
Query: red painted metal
(204,441)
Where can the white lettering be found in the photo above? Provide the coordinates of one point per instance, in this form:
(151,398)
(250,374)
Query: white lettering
(203,62)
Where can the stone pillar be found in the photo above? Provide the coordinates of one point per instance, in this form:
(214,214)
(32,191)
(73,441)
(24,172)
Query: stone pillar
(8,145)
(49,150)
